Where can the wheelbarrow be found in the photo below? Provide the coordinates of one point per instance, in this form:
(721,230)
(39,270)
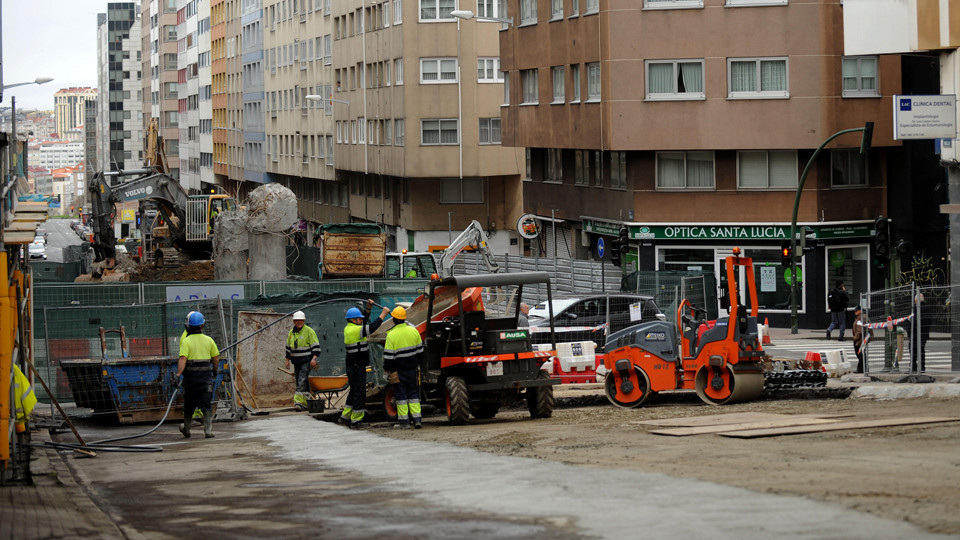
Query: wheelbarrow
(323,390)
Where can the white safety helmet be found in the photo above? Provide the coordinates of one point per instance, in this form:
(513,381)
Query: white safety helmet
(299,316)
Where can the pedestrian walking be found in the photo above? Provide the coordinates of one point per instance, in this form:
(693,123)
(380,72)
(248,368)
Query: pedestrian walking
(357,359)
(402,353)
(303,348)
(199,358)
(861,336)
(838,301)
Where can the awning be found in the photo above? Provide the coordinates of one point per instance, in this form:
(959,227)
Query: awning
(548,218)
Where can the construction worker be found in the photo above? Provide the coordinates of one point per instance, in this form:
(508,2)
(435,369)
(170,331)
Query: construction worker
(401,354)
(199,358)
(197,413)
(303,348)
(24,399)
(358,358)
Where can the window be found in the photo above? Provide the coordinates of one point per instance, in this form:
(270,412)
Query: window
(461,190)
(531,90)
(489,131)
(556,10)
(492,8)
(852,265)
(677,170)
(581,168)
(506,88)
(438,70)
(574,8)
(593,6)
(398,132)
(675,79)
(528,11)
(756,2)
(757,77)
(361,130)
(488,70)
(860,76)
(397,11)
(575,81)
(554,166)
(558,84)
(773,169)
(671,4)
(847,168)
(438,131)
(398,70)
(618,170)
(434,10)
(593,81)
(387,132)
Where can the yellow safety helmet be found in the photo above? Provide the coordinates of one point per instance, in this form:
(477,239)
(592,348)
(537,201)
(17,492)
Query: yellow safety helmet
(399,313)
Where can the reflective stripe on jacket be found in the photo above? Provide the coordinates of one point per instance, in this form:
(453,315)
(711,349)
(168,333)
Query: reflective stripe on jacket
(403,348)
(355,341)
(200,349)
(23,397)
(302,344)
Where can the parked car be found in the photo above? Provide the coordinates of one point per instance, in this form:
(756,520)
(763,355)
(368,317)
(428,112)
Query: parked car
(585,318)
(43,233)
(40,239)
(38,250)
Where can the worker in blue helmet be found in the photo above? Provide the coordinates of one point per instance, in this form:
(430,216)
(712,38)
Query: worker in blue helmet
(199,358)
(197,413)
(358,358)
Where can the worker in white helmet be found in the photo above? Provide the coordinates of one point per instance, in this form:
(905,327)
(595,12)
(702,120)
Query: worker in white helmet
(303,348)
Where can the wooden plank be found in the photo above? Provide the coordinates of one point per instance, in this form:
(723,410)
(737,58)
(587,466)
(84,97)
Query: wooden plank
(838,426)
(729,418)
(18,237)
(726,428)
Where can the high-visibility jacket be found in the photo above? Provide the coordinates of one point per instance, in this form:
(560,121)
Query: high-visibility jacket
(23,397)
(355,341)
(200,350)
(403,348)
(302,344)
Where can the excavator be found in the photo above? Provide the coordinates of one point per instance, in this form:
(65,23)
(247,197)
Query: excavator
(472,237)
(724,364)
(173,223)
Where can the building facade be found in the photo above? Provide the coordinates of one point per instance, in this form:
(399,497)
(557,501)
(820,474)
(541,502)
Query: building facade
(690,123)
(120,121)
(160,81)
(69,106)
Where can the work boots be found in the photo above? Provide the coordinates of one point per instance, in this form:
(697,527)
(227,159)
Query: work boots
(207,425)
(185,427)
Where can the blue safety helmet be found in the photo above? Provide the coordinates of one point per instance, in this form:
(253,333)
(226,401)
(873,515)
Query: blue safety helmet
(354,313)
(195,319)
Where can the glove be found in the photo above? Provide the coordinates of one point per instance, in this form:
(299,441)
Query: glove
(179,382)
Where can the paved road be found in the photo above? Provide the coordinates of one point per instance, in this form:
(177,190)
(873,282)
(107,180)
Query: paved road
(59,236)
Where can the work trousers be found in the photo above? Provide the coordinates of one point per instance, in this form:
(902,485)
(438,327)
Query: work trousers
(197,393)
(301,370)
(407,392)
(356,403)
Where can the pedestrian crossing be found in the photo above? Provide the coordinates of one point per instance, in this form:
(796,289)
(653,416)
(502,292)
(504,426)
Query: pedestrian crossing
(797,348)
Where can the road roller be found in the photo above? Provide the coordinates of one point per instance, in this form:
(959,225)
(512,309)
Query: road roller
(723,363)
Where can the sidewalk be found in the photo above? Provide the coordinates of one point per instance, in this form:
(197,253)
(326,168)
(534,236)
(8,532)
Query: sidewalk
(54,506)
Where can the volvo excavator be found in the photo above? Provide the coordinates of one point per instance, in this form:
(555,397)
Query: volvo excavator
(173,224)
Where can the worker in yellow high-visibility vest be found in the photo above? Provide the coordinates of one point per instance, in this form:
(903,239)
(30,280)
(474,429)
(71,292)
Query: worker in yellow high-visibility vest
(358,358)
(303,348)
(23,399)
(199,358)
(401,354)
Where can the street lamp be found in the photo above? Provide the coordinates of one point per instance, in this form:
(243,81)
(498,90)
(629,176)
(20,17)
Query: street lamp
(38,80)
(315,97)
(466,15)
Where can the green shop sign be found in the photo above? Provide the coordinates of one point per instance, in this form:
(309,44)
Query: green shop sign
(724,232)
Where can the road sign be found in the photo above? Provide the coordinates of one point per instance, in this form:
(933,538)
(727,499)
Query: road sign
(600,248)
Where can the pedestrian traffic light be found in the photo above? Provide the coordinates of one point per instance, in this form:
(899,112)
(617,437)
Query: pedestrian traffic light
(615,256)
(881,239)
(137,214)
(904,247)
(623,241)
(785,253)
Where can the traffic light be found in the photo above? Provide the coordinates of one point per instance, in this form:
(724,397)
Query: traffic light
(904,247)
(137,214)
(867,138)
(807,233)
(881,240)
(785,252)
(623,241)
(615,256)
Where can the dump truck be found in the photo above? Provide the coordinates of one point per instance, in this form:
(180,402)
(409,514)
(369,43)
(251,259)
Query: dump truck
(359,250)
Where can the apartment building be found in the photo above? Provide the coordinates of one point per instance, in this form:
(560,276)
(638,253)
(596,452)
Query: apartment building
(252,78)
(55,154)
(417,139)
(188,93)
(69,106)
(689,122)
(297,60)
(120,122)
(205,97)
(161,75)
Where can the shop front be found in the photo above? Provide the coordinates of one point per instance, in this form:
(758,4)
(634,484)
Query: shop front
(835,251)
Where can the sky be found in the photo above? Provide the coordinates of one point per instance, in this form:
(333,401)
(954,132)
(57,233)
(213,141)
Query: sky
(48,38)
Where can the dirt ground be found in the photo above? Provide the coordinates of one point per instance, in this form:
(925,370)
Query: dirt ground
(902,473)
(193,271)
